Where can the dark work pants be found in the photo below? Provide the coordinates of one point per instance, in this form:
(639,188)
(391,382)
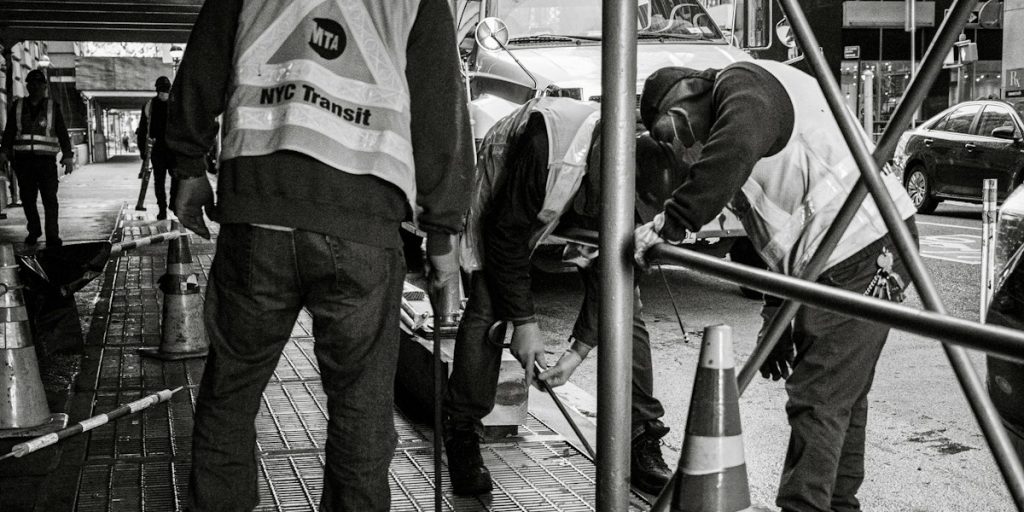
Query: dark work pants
(259,282)
(474,377)
(828,394)
(160,162)
(37,176)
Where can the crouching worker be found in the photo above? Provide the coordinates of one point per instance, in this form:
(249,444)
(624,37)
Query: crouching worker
(532,174)
(771,150)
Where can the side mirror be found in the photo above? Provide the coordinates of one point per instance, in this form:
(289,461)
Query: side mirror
(785,33)
(1006,132)
(491,34)
(753,24)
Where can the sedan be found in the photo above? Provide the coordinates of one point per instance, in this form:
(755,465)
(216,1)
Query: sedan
(950,155)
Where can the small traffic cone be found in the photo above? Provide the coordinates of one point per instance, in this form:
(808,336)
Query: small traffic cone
(712,473)
(182,332)
(23,408)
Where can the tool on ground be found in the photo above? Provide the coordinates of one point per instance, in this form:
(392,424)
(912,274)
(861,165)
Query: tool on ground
(712,472)
(672,299)
(447,312)
(120,247)
(24,411)
(23,449)
(544,386)
(182,331)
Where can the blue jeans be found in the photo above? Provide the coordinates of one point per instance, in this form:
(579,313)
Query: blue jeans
(259,282)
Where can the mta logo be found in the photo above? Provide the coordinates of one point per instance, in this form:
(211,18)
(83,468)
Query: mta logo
(327,38)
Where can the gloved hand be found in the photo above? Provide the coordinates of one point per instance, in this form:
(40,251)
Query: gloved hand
(443,272)
(528,347)
(780,361)
(560,372)
(69,165)
(194,196)
(645,237)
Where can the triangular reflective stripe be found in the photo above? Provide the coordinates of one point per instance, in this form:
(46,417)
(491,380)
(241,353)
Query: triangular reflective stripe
(374,52)
(278,32)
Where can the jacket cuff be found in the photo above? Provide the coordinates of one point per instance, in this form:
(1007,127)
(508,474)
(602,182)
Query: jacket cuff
(438,244)
(523,321)
(187,167)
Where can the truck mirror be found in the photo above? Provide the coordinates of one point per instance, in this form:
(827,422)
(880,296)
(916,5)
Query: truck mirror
(753,24)
(785,33)
(491,34)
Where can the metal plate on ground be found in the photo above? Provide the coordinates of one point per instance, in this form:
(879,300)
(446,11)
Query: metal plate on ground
(157,486)
(123,368)
(164,431)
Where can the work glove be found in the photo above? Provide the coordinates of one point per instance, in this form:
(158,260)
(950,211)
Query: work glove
(69,165)
(194,196)
(647,236)
(528,347)
(781,359)
(560,372)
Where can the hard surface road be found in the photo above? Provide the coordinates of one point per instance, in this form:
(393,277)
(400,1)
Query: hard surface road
(925,451)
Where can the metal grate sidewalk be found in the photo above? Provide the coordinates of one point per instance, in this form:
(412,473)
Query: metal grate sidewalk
(142,462)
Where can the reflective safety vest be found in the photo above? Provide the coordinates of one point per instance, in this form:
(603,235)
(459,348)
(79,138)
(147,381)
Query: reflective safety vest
(570,126)
(792,197)
(38,137)
(326,79)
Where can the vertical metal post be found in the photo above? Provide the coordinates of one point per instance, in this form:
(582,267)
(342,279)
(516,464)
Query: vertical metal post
(977,396)
(618,166)
(988,244)
(869,103)
(917,91)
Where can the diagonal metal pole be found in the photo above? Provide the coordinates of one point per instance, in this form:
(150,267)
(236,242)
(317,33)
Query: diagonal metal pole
(912,99)
(618,165)
(977,397)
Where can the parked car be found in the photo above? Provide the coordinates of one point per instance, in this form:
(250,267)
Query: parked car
(1005,377)
(950,155)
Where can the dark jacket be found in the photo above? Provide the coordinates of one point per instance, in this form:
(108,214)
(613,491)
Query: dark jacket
(155,128)
(294,190)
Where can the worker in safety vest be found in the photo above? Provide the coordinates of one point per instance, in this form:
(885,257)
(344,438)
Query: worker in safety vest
(153,144)
(341,118)
(762,140)
(34,134)
(532,175)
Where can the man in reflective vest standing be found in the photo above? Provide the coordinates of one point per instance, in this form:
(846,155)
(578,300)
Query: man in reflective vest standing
(540,155)
(341,119)
(763,142)
(34,134)
(153,144)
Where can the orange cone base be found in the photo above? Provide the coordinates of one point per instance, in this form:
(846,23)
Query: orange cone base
(156,353)
(54,423)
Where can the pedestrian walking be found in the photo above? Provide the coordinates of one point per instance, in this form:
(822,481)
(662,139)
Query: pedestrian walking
(151,134)
(540,154)
(759,138)
(34,134)
(341,118)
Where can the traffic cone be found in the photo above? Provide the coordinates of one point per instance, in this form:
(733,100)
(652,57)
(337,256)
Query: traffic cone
(712,473)
(182,333)
(23,408)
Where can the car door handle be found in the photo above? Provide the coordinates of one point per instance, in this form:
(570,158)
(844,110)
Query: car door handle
(928,142)
(969,146)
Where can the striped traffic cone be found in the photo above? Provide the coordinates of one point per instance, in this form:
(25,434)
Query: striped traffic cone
(23,408)
(182,332)
(712,473)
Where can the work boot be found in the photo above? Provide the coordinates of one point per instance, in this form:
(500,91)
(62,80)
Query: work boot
(31,240)
(466,467)
(648,471)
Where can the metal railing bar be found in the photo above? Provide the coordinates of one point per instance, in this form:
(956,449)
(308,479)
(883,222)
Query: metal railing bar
(996,340)
(974,389)
(912,99)
(618,171)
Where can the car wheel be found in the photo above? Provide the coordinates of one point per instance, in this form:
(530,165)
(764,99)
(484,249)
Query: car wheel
(919,188)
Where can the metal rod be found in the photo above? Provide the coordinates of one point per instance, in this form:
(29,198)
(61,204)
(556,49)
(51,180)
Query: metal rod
(1001,341)
(913,97)
(618,166)
(988,245)
(438,426)
(977,396)
(544,386)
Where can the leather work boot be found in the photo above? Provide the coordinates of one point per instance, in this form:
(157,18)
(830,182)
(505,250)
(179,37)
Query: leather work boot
(648,471)
(466,467)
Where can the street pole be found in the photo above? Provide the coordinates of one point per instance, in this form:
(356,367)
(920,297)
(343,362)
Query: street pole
(988,244)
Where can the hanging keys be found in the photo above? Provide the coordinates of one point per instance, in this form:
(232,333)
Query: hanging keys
(886,284)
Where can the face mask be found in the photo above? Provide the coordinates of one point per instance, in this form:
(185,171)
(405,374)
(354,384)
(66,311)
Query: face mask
(163,95)
(674,127)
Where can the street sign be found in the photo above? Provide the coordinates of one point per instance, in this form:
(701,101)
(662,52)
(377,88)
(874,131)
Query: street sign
(1014,79)
(984,15)
(851,52)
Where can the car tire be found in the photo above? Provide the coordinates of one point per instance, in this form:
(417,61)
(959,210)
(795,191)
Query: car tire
(743,252)
(919,188)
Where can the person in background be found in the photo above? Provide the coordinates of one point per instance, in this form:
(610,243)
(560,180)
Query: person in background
(761,140)
(152,139)
(341,118)
(34,134)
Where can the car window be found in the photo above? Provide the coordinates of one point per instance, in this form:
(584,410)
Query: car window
(993,117)
(940,124)
(960,120)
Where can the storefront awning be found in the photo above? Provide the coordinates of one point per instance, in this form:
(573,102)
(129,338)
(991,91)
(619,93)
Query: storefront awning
(149,21)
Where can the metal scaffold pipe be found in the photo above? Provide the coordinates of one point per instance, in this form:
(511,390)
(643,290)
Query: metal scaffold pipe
(618,115)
